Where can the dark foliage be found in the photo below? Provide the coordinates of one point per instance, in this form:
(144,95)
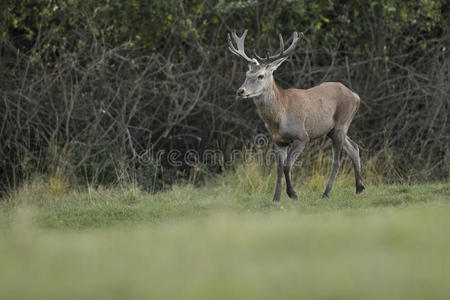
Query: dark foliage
(91,90)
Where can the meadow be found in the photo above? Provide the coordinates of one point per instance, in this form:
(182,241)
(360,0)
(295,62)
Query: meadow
(226,239)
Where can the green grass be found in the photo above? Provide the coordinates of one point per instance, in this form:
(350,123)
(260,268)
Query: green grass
(226,240)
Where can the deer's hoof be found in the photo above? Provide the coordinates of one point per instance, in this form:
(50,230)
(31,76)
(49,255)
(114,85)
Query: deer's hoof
(292,195)
(325,195)
(360,188)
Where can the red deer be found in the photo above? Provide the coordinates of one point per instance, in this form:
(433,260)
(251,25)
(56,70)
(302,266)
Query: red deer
(294,116)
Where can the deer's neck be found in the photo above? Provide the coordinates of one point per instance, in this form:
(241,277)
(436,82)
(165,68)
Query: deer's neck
(269,106)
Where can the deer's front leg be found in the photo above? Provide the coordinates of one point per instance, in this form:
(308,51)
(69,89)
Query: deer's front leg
(281,156)
(298,146)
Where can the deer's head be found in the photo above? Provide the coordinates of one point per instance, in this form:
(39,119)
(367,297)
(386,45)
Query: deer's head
(259,76)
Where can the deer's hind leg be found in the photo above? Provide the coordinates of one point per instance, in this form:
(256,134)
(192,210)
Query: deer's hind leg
(352,150)
(337,138)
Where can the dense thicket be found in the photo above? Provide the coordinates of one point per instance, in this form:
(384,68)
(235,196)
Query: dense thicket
(92,90)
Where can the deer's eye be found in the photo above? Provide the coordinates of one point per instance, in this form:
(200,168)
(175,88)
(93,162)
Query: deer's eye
(260,77)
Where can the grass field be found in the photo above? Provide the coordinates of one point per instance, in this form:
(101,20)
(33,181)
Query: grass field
(226,240)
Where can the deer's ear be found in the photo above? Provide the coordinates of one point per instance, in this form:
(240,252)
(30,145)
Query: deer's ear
(275,64)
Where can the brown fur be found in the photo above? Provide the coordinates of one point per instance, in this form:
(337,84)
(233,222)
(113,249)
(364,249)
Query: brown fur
(295,116)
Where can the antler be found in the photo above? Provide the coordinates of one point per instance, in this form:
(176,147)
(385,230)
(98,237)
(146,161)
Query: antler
(282,53)
(240,46)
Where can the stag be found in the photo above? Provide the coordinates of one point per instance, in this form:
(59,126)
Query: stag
(295,116)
